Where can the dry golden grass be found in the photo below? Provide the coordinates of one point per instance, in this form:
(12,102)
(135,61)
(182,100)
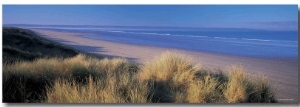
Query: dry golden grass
(95,92)
(168,78)
(170,67)
(236,86)
(203,91)
(171,73)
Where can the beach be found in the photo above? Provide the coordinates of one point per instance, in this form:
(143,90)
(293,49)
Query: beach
(282,73)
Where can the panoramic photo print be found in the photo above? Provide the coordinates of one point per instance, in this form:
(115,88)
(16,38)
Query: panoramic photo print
(150,54)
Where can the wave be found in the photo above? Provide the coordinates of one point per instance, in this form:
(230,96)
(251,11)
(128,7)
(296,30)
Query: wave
(251,39)
(192,36)
(152,33)
(198,36)
(224,38)
(115,31)
(149,33)
(214,37)
(256,39)
(261,42)
(163,34)
(265,40)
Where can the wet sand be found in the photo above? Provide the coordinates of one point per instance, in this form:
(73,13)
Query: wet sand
(282,73)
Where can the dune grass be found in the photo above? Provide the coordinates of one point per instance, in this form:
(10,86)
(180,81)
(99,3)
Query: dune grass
(33,74)
(168,78)
(112,75)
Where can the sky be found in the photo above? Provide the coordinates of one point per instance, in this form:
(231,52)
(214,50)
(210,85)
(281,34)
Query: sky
(270,17)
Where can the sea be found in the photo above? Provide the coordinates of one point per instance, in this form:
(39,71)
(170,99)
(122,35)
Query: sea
(229,41)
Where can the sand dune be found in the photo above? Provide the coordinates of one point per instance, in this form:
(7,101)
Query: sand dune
(281,72)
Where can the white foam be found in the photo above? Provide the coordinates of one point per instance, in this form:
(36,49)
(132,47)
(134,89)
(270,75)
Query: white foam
(256,39)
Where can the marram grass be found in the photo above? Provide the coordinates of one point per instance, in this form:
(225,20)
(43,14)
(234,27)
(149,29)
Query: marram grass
(171,78)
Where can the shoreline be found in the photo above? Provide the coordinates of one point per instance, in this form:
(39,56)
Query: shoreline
(280,74)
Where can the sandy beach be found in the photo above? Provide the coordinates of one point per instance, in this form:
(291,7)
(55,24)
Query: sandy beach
(282,72)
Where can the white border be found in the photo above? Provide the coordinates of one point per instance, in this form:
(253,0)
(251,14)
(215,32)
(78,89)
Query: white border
(1,58)
(207,2)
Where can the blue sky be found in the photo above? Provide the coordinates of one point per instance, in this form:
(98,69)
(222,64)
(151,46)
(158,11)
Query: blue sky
(271,17)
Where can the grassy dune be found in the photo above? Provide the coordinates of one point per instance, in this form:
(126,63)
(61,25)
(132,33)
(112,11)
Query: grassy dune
(22,45)
(169,78)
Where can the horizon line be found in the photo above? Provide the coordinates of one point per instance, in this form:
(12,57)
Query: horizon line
(195,27)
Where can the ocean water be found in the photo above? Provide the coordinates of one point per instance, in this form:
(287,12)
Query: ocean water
(239,42)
